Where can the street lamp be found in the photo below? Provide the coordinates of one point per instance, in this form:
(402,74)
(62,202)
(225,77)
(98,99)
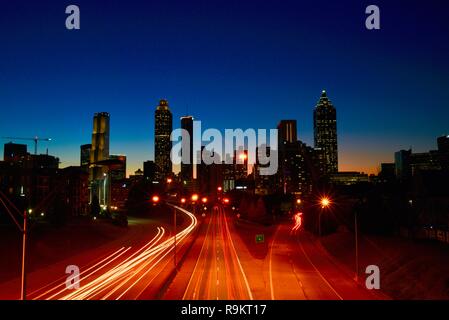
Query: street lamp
(194,199)
(174,239)
(325,203)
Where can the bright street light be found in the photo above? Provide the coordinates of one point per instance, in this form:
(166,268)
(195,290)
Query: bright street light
(325,202)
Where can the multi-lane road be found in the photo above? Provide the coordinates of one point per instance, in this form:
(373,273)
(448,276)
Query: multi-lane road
(218,272)
(213,263)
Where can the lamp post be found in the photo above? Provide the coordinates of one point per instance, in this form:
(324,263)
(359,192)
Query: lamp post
(325,202)
(24,242)
(194,200)
(174,243)
(356,247)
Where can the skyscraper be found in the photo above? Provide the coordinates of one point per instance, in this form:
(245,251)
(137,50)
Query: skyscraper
(325,132)
(100,140)
(187,146)
(117,169)
(85,155)
(99,182)
(287,131)
(162,144)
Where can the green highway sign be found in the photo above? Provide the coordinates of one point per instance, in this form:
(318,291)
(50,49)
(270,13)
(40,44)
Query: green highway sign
(260,238)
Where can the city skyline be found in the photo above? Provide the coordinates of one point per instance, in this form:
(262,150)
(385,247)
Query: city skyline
(239,152)
(286,57)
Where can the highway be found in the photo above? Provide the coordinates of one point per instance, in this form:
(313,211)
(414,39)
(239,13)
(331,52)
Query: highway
(218,273)
(214,263)
(126,273)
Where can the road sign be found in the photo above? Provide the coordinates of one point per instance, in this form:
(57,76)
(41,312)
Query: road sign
(260,238)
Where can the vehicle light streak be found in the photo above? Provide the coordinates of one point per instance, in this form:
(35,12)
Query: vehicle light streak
(298,222)
(121,278)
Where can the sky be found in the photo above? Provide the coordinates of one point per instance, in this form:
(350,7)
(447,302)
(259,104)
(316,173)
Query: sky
(231,64)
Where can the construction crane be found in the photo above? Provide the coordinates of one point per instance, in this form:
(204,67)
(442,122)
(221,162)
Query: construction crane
(35,139)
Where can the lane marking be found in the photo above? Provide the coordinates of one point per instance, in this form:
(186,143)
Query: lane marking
(270,273)
(318,271)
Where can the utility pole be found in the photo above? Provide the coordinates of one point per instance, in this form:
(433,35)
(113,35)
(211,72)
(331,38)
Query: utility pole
(174,228)
(356,247)
(24,241)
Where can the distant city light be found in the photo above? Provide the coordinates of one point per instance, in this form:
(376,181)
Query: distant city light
(194,197)
(243,156)
(155,199)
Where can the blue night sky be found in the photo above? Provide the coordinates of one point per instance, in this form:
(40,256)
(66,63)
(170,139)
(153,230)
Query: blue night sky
(231,64)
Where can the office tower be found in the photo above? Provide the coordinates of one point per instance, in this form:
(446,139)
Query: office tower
(149,170)
(209,176)
(117,167)
(187,146)
(402,166)
(14,151)
(325,132)
(85,155)
(263,184)
(295,174)
(99,153)
(287,131)
(162,143)
(100,142)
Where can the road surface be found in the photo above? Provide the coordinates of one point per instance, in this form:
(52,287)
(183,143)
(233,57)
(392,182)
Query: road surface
(217,272)
(136,269)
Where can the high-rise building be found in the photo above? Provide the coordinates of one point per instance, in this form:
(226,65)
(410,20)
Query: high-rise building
(402,166)
(162,144)
(99,153)
(117,168)
(14,151)
(187,146)
(85,155)
(325,132)
(100,143)
(149,170)
(287,131)
(299,168)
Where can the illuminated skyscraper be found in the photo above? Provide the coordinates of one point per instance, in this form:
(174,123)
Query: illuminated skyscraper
(99,153)
(162,144)
(287,131)
(325,132)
